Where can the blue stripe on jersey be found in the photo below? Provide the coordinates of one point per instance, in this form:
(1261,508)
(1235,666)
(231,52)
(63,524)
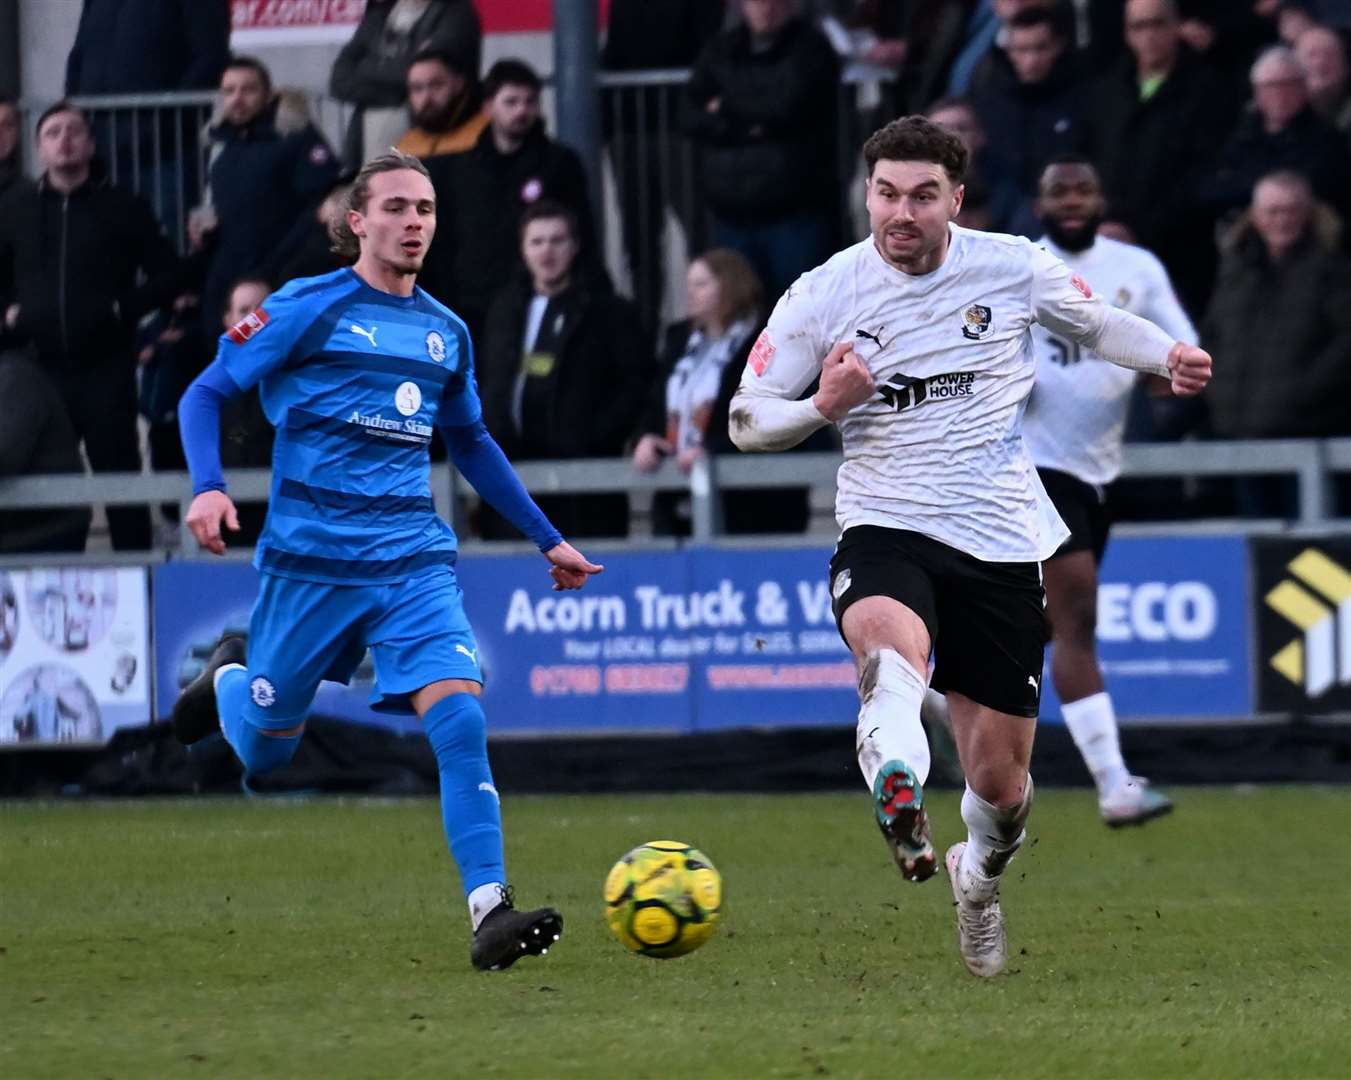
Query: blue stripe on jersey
(321,328)
(276,561)
(348,507)
(388,365)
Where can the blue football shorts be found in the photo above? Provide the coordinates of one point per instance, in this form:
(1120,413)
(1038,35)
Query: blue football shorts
(302,632)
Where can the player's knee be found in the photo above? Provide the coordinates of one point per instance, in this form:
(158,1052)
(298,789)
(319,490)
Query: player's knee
(1075,622)
(456,728)
(1003,787)
(261,751)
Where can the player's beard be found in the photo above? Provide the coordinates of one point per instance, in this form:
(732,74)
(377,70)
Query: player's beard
(1079,238)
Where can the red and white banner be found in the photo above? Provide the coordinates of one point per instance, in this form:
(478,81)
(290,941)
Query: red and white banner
(271,22)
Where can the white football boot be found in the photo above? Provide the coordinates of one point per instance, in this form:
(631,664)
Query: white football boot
(980,924)
(1132,802)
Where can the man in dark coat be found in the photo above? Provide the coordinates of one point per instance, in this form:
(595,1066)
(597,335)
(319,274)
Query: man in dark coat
(76,249)
(151,47)
(1159,119)
(1030,98)
(1281,322)
(36,439)
(563,369)
(272,169)
(482,193)
(761,105)
(148,46)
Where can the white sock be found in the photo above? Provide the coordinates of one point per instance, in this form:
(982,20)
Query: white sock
(993,837)
(220,673)
(483,900)
(1092,722)
(891,692)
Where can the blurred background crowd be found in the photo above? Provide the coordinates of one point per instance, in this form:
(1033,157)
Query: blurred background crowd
(1220,131)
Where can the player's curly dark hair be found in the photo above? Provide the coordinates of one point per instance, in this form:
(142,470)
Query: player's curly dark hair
(344,242)
(917,138)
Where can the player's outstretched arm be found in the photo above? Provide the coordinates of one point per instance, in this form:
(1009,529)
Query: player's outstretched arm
(199,427)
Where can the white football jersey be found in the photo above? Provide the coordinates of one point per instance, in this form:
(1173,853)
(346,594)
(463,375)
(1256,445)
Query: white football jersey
(938,450)
(1077,412)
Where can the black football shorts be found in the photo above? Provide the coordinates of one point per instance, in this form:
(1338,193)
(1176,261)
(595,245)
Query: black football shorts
(986,621)
(1083,508)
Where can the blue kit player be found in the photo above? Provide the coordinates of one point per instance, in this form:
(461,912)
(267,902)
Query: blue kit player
(354,370)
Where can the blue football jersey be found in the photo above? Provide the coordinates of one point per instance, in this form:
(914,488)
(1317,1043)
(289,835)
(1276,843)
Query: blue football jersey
(354,380)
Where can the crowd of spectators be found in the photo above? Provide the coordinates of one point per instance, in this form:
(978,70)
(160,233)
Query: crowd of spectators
(1221,130)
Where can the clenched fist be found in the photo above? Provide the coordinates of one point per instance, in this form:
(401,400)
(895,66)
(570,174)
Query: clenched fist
(1189,369)
(845,383)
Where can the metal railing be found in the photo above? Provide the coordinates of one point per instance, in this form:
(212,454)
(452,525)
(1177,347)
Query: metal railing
(1310,462)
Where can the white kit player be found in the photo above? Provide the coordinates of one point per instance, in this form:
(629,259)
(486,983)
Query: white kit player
(921,337)
(1073,430)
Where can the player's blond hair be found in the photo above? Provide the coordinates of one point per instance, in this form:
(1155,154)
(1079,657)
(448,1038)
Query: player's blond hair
(345,243)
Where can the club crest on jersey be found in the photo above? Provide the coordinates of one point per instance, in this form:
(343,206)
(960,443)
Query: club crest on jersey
(262,691)
(249,325)
(762,352)
(976,321)
(436,346)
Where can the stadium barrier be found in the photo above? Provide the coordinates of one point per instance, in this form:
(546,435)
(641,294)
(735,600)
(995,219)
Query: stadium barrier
(1311,463)
(1208,622)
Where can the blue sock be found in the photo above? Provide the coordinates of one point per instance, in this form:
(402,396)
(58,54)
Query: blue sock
(469,807)
(257,752)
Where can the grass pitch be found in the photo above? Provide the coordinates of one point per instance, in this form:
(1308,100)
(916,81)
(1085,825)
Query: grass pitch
(327,938)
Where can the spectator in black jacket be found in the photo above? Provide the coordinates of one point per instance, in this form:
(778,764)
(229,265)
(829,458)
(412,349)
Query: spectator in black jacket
(563,368)
(77,247)
(1281,132)
(1281,320)
(1031,100)
(147,47)
(35,439)
(1159,119)
(372,69)
(652,170)
(482,193)
(270,171)
(761,104)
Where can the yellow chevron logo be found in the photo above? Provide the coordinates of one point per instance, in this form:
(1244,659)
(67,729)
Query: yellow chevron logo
(1318,603)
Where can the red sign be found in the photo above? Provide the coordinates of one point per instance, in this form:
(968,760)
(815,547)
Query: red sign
(294,14)
(498,16)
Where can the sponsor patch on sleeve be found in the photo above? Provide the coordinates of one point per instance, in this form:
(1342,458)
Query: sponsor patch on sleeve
(1082,285)
(248,326)
(762,352)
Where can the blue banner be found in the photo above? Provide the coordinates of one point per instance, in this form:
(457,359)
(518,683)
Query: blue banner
(1173,629)
(706,639)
